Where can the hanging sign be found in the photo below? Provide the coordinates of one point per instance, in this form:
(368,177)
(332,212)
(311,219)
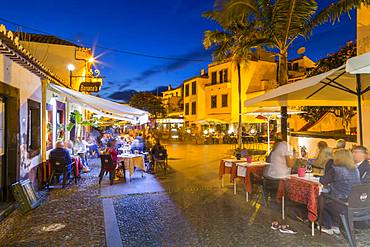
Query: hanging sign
(90,87)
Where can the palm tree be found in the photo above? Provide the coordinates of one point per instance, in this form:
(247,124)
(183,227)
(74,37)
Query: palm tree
(233,44)
(280,23)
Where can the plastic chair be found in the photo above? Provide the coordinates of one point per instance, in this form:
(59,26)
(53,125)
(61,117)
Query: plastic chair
(59,167)
(107,166)
(357,208)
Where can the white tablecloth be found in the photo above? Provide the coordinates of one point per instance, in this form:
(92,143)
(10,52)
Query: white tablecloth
(131,161)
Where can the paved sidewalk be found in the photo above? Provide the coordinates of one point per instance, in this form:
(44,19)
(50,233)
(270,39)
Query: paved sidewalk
(69,217)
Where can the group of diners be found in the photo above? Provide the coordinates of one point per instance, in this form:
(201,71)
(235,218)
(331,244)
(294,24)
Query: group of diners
(340,169)
(80,150)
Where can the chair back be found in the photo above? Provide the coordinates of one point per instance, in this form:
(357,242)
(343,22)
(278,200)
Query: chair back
(359,197)
(58,164)
(106,161)
(161,154)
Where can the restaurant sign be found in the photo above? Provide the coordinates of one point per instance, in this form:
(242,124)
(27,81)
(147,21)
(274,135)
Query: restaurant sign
(90,87)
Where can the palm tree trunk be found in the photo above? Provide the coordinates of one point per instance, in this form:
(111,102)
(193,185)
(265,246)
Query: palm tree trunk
(240,108)
(282,80)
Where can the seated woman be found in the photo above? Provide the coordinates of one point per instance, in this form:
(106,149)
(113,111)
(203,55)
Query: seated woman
(340,179)
(281,161)
(112,150)
(324,160)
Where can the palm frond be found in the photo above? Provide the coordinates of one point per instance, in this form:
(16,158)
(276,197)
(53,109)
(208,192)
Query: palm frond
(334,11)
(289,18)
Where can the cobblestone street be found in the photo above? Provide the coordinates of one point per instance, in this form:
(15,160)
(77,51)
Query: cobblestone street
(186,207)
(69,217)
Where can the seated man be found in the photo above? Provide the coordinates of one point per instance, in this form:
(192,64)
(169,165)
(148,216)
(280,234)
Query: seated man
(60,152)
(360,156)
(158,150)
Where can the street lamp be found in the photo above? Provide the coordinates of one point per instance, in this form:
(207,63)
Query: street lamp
(91,60)
(71,68)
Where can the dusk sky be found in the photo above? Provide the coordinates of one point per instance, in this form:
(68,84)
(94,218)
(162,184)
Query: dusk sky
(169,28)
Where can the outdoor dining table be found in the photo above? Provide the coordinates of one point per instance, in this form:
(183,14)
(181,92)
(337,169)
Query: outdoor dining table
(304,190)
(244,171)
(131,161)
(227,167)
(241,169)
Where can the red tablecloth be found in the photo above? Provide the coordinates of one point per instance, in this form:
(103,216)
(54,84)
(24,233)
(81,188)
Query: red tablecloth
(226,170)
(301,191)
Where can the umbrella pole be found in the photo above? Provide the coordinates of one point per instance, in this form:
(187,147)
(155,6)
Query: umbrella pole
(359,107)
(268,135)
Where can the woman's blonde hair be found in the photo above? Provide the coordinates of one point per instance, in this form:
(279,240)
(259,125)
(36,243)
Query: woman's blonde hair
(344,157)
(324,156)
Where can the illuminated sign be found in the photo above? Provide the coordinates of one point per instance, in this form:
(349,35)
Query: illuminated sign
(90,87)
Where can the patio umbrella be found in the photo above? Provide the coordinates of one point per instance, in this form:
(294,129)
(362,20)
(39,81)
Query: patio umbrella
(267,113)
(337,87)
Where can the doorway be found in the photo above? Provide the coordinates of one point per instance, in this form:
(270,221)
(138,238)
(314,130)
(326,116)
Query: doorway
(9,141)
(3,170)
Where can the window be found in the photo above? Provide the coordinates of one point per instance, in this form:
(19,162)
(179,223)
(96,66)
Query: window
(226,79)
(177,94)
(214,78)
(187,109)
(224,100)
(295,66)
(221,74)
(186,90)
(33,131)
(193,108)
(194,88)
(214,101)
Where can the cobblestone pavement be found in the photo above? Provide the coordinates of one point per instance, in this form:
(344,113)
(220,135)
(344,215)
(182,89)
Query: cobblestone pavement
(186,207)
(69,217)
(192,210)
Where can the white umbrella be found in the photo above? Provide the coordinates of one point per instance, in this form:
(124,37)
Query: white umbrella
(268,113)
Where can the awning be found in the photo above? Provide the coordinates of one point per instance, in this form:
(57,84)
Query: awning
(336,87)
(103,106)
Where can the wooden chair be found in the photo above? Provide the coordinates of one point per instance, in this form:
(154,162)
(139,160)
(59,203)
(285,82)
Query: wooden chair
(107,166)
(160,160)
(59,167)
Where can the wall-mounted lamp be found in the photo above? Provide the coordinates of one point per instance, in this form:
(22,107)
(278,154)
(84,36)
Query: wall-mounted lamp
(70,68)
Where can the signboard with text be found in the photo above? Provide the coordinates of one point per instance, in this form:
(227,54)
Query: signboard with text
(90,87)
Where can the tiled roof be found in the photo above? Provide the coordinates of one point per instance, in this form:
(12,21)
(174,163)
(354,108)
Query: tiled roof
(41,38)
(10,47)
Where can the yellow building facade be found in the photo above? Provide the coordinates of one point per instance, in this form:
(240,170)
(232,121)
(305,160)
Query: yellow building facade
(172,101)
(214,97)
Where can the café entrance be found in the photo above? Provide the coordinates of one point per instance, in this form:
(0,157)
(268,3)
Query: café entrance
(9,143)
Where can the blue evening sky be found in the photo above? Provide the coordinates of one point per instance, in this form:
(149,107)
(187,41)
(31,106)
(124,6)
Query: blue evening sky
(172,28)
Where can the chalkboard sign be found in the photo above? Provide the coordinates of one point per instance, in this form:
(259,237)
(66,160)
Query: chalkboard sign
(25,195)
